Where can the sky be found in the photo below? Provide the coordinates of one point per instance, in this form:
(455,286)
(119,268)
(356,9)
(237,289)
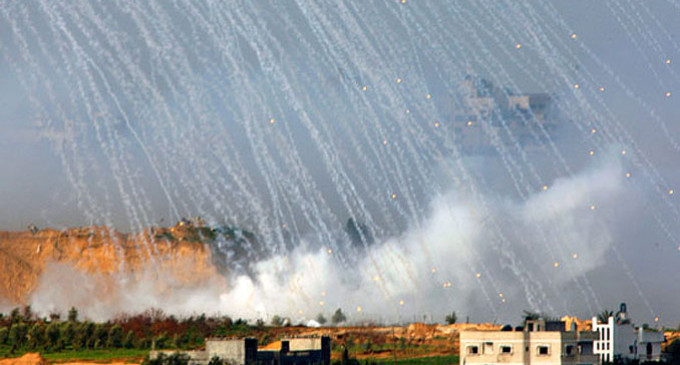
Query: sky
(287,118)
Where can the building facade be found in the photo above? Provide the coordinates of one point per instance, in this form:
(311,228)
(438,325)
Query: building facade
(619,340)
(244,351)
(538,342)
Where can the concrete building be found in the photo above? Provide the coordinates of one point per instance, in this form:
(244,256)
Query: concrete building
(299,351)
(487,116)
(619,340)
(539,342)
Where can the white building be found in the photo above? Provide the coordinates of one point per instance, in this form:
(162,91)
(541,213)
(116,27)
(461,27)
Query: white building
(618,339)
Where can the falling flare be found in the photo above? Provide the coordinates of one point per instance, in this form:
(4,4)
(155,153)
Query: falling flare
(670,192)
(668,93)
(469,123)
(364,88)
(436,125)
(556,264)
(576,86)
(272,121)
(393,196)
(573,36)
(330,251)
(668,61)
(592,207)
(593,131)
(627,174)
(545,187)
(518,46)
(656,319)
(321,302)
(408,111)
(591,153)
(575,255)
(434,270)
(358,308)
(479,275)
(398,80)
(500,295)
(428,96)
(384,142)
(601,88)
(401,302)
(623,152)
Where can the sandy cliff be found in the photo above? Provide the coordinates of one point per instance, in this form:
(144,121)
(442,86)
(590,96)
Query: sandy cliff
(108,255)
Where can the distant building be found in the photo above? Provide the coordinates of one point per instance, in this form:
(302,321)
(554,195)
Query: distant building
(299,351)
(620,340)
(486,117)
(540,341)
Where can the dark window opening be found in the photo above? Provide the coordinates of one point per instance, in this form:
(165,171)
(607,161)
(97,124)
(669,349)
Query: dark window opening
(543,350)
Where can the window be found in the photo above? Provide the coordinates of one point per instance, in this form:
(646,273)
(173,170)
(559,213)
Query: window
(631,349)
(472,350)
(543,350)
(506,349)
(488,348)
(569,350)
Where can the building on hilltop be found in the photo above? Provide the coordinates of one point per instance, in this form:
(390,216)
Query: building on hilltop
(540,341)
(244,351)
(620,340)
(487,116)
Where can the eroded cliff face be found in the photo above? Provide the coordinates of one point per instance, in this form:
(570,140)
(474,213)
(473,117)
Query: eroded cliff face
(99,261)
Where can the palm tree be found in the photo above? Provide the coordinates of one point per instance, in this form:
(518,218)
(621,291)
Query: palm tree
(604,316)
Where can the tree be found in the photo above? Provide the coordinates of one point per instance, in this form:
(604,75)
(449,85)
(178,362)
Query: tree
(321,319)
(215,360)
(115,337)
(53,336)
(27,313)
(338,317)
(604,316)
(673,351)
(73,314)
(451,318)
(36,337)
(277,321)
(130,340)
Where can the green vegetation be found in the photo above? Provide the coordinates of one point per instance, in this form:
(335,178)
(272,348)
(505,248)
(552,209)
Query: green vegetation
(338,317)
(23,331)
(451,318)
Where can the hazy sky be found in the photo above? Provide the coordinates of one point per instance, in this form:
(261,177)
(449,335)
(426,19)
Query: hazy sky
(290,117)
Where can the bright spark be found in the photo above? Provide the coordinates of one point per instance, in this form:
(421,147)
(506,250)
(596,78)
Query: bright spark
(576,86)
(556,264)
(428,96)
(518,46)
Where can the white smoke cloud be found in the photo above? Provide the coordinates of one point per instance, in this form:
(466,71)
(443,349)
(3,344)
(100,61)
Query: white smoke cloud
(469,255)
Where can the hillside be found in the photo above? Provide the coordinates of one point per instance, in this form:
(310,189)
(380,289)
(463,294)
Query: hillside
(181,254)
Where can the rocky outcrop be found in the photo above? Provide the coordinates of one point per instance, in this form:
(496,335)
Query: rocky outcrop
(182,252)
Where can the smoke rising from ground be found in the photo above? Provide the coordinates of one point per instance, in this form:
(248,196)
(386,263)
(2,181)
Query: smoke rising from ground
(471,256)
